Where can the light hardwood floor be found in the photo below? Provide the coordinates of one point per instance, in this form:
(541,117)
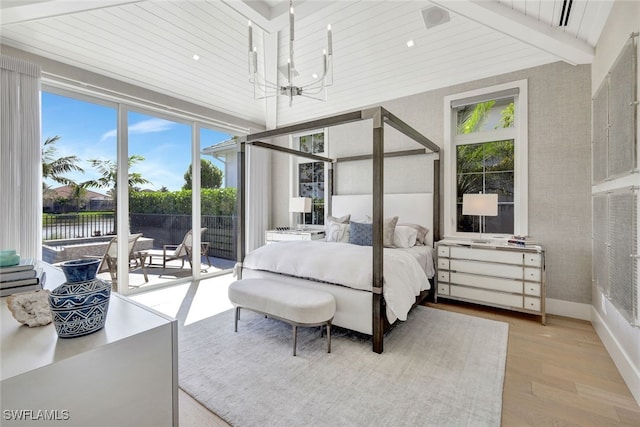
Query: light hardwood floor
(556,375)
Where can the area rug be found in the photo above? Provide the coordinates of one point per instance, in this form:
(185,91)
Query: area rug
(438,368)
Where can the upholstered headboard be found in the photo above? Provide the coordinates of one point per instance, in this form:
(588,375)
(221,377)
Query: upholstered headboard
(414,208)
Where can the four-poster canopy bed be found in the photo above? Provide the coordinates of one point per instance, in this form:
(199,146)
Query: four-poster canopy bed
(379,117)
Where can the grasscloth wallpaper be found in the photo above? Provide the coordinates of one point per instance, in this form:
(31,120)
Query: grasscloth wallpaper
(559,165)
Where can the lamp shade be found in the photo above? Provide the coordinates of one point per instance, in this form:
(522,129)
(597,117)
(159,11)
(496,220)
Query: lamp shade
(480,204)
(300,204)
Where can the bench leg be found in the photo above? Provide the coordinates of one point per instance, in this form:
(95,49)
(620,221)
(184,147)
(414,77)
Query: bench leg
(329,337)
(295,338)
(237,316)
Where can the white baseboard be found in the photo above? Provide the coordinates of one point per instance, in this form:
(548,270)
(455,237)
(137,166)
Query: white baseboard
(629,372)
(574,310)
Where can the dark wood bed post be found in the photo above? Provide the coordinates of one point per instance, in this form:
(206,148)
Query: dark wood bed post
(241,208)
(378,240)
(436,200)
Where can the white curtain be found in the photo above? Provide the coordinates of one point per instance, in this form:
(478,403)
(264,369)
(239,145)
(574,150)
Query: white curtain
(258,176)
(20,162)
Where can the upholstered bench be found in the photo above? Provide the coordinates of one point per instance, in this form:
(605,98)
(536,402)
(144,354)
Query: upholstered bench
(296,305)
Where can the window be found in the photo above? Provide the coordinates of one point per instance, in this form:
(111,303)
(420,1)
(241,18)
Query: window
(486,133)
(310,176)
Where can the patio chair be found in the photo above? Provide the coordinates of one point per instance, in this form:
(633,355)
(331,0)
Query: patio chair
(181,251)
(110,258)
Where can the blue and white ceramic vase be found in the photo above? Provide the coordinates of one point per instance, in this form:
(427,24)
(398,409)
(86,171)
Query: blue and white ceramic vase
(80,305)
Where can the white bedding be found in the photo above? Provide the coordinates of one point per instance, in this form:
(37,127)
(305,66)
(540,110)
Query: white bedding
(347,265)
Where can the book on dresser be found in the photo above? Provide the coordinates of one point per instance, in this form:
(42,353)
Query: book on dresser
(24,264)
(17,275)
(27,280)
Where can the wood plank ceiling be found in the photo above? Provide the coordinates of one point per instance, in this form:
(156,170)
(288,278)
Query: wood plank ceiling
(151,44)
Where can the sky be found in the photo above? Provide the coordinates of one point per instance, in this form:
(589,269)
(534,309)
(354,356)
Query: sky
(88,131)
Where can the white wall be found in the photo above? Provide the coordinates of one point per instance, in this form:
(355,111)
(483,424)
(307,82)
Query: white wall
(621,339)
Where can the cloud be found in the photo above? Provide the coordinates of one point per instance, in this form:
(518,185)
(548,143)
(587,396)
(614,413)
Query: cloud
(145,126)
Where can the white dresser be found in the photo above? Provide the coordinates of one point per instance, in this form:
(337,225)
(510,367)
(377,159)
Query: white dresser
(126,374)
(284,235)
(502,276)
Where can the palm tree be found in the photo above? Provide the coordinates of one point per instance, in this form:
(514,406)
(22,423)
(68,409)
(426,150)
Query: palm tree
(54,167)
(109,178)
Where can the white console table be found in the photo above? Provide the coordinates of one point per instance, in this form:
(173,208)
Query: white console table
(123,375)
(497,275)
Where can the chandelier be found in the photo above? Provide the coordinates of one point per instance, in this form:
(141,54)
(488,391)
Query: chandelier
(315,89)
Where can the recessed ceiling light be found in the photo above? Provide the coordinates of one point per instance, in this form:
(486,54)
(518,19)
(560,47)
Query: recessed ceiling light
(314,76)
(410,43)
(196,57)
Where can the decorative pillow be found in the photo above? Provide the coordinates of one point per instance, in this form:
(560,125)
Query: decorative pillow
(342,220)
(404,236)
(389,226)
(422,232)
(337,232)
(361,234)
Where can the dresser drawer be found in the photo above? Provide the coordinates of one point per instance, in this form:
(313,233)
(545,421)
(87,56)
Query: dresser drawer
(486,268)
(532,289)
(443,276)
(443,288)
(490,255)
(531,303)
(533,260)
(491,297)
(443,263)
(486,282)
(443,251)
(532,274)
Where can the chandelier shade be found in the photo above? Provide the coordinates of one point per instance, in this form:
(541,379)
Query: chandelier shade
(315,89)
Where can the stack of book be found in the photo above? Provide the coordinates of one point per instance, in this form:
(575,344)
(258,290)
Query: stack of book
(521,241)
(23,277)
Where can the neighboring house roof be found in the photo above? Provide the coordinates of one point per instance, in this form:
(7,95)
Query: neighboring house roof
(66,190)
(221,149)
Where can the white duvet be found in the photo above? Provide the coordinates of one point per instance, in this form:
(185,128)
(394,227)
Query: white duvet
(345,264)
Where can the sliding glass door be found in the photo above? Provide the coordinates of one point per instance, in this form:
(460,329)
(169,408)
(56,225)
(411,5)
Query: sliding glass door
(89,198)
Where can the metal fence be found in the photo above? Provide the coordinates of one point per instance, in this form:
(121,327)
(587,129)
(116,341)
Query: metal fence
(73,226)
(165,229)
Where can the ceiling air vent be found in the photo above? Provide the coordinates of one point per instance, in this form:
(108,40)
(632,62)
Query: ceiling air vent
(566,10)
(434,16)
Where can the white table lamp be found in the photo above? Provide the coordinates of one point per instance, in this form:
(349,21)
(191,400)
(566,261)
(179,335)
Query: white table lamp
(480,205)
(300,205)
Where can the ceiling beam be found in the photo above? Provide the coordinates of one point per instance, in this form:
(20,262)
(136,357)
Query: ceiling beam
(523,28)
(51,8)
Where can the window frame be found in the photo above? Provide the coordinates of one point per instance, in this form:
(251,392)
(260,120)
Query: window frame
(295,161)
(519,135)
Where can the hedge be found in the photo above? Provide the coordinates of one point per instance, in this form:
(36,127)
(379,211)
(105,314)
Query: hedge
(217,201)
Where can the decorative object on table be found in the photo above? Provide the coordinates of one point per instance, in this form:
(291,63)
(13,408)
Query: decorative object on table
(481,205)
(80,305)
(9,258)
(21,277)
(31,308)
(300,205)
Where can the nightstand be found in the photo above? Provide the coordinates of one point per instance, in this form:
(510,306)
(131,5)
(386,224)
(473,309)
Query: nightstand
(284,235)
